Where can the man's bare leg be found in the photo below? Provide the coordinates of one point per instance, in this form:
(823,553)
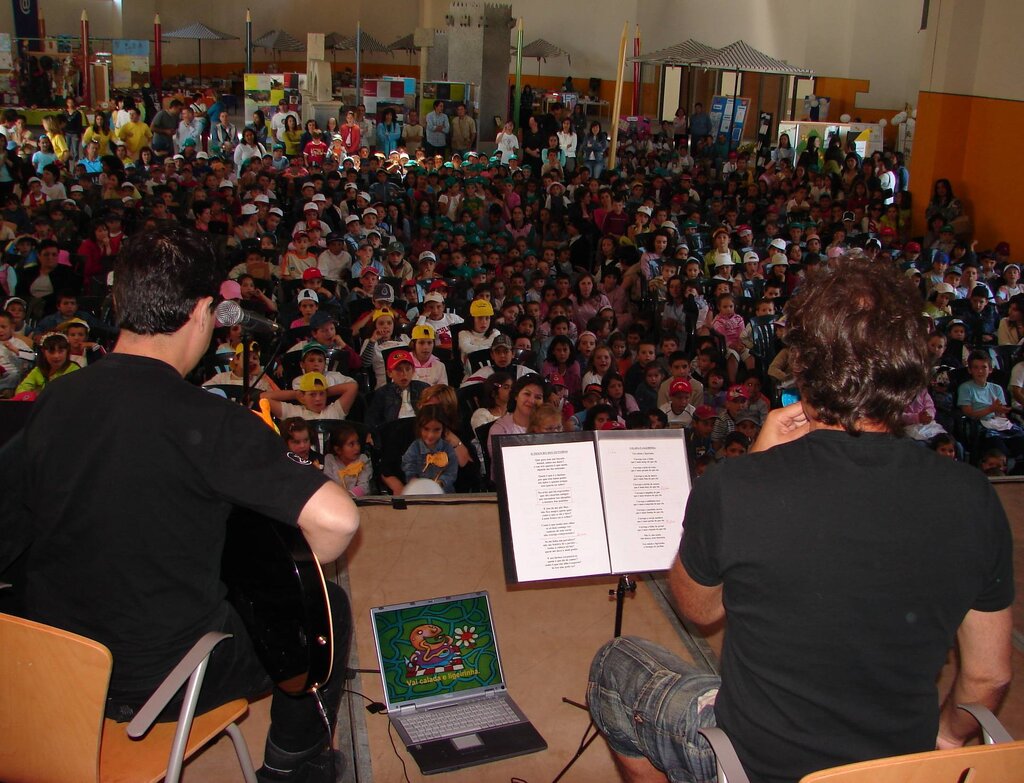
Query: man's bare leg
(637,769)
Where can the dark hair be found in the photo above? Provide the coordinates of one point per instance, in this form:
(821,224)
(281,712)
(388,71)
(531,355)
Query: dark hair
(429,413)
(736,437)
(979,356)
(561,339)
(618,407)
(342,431)
(51,342)
(293,425)
(594,412)
(858,344)
(160,275)
(489,387)
(532,379)
(942,439)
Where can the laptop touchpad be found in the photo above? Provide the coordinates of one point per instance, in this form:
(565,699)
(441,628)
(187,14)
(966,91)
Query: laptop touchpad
(467,741)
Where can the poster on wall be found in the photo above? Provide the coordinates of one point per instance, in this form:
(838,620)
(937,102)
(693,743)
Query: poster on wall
(764,137)
(398,93)
(6,57)
(130,64)
(816,108)
(725,120)
(264,91)
(8,82)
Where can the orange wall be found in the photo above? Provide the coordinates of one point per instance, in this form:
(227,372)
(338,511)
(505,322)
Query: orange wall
(966,140)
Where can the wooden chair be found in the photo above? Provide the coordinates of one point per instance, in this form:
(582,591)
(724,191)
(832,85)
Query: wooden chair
(53,689)
(977,764)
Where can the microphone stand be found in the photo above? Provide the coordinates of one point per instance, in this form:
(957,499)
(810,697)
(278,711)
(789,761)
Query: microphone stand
(246,379)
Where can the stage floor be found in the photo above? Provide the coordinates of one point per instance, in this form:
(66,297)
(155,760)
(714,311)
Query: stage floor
(548,635)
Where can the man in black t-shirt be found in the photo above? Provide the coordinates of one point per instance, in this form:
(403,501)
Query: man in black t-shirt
(846,561)
(124,540)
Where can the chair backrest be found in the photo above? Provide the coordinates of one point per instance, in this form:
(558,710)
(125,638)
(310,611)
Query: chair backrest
(977,764)
(53,687)
(478,359)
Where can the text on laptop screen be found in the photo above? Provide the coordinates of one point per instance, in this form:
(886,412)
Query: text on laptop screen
(437,649)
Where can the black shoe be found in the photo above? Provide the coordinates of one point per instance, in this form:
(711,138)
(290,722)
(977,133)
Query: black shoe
(326,767)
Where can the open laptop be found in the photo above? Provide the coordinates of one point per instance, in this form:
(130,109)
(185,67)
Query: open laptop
(443,683)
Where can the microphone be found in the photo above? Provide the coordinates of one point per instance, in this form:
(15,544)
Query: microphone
(230,313)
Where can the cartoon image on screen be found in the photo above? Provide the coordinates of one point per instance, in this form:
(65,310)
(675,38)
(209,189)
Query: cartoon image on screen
(437,649)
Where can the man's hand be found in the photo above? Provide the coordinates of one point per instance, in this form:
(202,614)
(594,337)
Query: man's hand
(783,425)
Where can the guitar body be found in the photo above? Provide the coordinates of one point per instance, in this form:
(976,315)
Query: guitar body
(277,587)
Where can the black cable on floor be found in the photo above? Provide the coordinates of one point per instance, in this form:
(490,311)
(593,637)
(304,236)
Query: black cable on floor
(394,747)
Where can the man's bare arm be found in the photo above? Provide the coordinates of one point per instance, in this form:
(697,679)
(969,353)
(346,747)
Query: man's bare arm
(329,520)
(702,605)
(985,672)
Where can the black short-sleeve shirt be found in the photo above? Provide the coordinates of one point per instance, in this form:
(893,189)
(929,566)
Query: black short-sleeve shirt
(847,565)
(128,476)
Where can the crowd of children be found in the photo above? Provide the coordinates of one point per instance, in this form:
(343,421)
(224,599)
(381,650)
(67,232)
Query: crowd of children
(426,303)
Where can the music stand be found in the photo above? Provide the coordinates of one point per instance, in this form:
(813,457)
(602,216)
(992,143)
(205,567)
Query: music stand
(558,522)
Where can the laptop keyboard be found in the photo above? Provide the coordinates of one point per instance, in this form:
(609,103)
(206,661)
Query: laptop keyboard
(458,719)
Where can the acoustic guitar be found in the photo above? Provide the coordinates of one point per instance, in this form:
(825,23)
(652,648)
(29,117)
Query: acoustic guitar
(277,586)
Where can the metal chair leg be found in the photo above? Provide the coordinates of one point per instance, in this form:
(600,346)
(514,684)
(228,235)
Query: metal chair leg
(242,749)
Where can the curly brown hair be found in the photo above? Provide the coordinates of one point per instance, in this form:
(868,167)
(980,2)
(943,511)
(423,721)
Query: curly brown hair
(858,343)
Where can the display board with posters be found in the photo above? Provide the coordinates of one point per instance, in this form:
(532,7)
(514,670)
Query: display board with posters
(725,120)
(8,78)
(394,92)
(452,93)
(866,136)
(265,90)
(816,108)
(130,64)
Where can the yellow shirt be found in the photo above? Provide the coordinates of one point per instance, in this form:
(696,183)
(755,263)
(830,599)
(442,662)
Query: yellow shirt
(102,139)
(135,136)
(60,146)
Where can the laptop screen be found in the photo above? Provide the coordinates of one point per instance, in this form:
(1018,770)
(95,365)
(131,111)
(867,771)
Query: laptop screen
(433,649)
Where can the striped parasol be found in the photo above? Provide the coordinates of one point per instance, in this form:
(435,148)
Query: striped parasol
(741,56)
(199,32)
(542,50)
(685,53)
(279,41)
(348,42)
(407,43)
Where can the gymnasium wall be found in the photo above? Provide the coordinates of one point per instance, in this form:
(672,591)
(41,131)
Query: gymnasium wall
(971,102)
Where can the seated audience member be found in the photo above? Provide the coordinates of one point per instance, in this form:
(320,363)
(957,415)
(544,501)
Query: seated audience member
(345,462)
(430,456)
(297,436)
(53,362)
(429,368)
(398,398)
(312,397)
(234,375)
(12,356)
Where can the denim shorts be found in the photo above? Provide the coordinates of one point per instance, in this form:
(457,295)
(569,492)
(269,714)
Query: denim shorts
(648,702)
